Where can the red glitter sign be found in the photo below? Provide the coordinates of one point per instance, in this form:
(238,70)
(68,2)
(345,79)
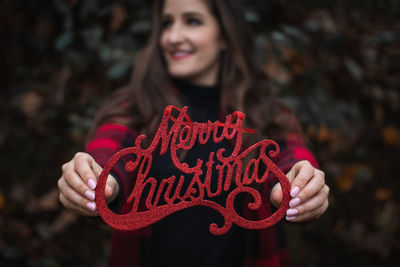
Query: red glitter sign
(182,135)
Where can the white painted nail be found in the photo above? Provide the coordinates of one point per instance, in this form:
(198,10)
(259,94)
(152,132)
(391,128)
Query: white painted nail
(91,206)
(90,195)
(291,212)
(290,218)
(294,191)
(92,184)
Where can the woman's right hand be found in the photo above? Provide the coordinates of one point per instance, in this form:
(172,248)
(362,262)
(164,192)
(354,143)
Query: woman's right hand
(77,184)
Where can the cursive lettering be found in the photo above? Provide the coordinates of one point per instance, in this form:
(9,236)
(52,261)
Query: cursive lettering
(233,176)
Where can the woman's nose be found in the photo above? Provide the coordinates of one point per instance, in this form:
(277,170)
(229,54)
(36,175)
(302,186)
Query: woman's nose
(175,34)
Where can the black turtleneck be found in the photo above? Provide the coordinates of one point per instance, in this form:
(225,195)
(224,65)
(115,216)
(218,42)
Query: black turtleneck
(203,101)
(183,238)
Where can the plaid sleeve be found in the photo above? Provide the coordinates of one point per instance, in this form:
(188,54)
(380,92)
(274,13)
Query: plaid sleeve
(109,139)
(292,151)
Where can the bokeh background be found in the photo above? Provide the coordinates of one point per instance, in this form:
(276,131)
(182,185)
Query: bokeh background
(335,62)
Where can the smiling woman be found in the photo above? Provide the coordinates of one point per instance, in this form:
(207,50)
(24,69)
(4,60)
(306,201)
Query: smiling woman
(200,54)
(191,41)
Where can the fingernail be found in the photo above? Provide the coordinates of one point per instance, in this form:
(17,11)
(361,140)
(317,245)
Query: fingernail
(290,218)
(291,212)
(294,191)
(92,184)
(91,206)
(294,202)
(89,195)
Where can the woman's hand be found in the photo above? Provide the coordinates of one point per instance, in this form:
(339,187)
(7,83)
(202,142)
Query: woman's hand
(77,184)
(308,191)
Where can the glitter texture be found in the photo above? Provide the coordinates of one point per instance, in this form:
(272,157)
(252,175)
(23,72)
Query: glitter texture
(236,175)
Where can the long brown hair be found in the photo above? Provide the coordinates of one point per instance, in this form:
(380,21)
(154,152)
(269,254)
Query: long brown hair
(244,85)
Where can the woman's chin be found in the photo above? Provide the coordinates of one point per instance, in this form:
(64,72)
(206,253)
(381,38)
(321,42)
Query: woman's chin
(180,75)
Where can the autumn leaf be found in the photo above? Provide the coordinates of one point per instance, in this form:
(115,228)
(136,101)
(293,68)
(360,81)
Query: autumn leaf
(383,194)
(346,181)
(30,103)
(391,135)
(324,134)
(2,201)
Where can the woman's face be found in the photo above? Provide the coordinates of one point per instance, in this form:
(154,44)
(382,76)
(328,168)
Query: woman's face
(191,41)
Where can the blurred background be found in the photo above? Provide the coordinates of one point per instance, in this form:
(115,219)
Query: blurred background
(335,62)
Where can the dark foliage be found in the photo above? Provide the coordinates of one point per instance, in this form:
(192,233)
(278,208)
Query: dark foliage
(335,62)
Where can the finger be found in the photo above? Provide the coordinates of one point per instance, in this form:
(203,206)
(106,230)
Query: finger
(83,166)
(110,183)
(71,206)
(315,185)
(75,198)
(76,208)
(97,169)
(316,201)
(302,172)
(74,181)
(311,215)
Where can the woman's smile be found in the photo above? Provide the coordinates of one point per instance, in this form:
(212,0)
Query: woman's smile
(179,55)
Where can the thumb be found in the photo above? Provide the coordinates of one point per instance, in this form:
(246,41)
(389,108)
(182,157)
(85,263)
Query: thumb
(276,192)
(276,195)
(112,188)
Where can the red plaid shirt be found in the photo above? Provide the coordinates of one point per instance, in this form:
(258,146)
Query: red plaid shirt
(265,247)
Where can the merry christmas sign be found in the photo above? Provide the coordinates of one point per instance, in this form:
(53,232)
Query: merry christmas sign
(179,133)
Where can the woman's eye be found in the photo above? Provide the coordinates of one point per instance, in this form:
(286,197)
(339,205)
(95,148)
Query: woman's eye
(193,21)
(166,23)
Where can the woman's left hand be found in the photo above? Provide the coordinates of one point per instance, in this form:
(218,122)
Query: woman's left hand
(308,191)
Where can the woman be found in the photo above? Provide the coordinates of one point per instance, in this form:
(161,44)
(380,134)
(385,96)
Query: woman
(200,54)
